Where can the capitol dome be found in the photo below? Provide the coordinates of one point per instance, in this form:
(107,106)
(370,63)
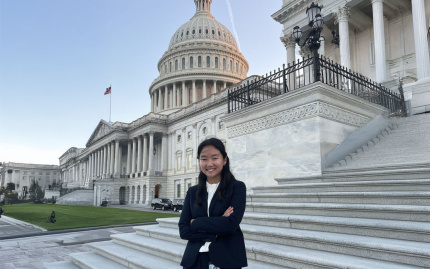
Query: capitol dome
(202,59)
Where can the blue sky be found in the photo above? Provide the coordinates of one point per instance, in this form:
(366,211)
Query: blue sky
(58,56)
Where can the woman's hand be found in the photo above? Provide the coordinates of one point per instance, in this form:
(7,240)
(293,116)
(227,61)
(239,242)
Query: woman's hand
(228,212)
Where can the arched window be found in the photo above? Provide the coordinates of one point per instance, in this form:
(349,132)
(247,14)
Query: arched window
(224,65)
(200,61)
(231,66)
(216,62)
(183,63)
(176,64)
(191,62)
(213,32)
(170,70)
(194,31)
(207,31)
(200,31)
(208,62)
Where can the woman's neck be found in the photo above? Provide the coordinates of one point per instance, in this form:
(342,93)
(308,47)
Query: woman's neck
(214,180)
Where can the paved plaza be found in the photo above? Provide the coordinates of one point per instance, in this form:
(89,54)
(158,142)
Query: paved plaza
(25,246)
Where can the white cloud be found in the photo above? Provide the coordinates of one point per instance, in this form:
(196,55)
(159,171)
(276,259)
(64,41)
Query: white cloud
(230,12)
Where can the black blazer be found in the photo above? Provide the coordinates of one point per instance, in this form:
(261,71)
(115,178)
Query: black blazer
(227,248)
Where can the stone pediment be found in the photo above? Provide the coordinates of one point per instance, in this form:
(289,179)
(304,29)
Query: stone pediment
(103,128)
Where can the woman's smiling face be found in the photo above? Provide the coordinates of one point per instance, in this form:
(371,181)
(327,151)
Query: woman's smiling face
(211,163)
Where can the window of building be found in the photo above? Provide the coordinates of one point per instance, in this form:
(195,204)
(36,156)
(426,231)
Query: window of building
(178,190)
(231,66)
(188,32)
(207,31)
(191,62)
(182,34)
(189,160)
(221,125)
(170,67)
(213,32)
(200,31)
(179,139)
(224,64)
(200,61)
(216,62)
(194,31)
(190,135)
(219,33)
(178,163)
(205,131)
(176,64)
(183,63)
(208,62)
(237,68)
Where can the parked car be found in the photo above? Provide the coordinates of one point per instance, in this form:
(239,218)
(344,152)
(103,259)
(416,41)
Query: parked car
(178,204)
(162,203)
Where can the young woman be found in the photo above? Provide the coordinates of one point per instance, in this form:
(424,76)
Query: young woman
(212,212)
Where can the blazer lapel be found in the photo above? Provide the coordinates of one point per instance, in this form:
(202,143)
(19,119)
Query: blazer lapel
(205,204)
(213,201)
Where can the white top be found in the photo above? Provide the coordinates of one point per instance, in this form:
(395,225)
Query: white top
(211,188)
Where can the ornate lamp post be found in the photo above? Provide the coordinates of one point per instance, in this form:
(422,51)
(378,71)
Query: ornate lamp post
(316,22)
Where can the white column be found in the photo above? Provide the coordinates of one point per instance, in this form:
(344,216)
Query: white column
(95,196)
(104,161)
(152,102)
(204,89)
(141,195)
(194,92)
(116,165)
(214,87)
(164,153)
(342,16)
(151,156)
(379,37)
(97,162)
(129,158)
(420,39)
(112,158)
(145,153)
(165,97)
(108,168)
(160,100)
(139,154)
(225,84)
(90,171)
(184,95)
(133,158)
(174,96)
(290,45)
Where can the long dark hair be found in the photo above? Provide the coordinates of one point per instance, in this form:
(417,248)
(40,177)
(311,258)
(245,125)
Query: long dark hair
(226,175)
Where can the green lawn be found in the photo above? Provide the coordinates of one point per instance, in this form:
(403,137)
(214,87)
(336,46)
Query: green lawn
(70,217)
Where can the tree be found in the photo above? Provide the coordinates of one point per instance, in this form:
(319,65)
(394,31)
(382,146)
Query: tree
(36,192)
(10,186)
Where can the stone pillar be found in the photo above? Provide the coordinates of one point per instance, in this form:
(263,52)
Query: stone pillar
(225,84)
(214,87)
(321,50)
(152,102)
(95,196)
(379,39)
(141,195)
(166,91)
(174,96)
(164,153)
(90,170)
(129,158)
(420,39)
(130,195)
(151,156)
(290,45)
(133,158)
(184,95)
(116,165)
(112,158)
(108,172)
(104,161)
(204,89)
(135,195)
(97,162)
(139,155)
(145,153)
(160,100)
(342,16)
(194,92)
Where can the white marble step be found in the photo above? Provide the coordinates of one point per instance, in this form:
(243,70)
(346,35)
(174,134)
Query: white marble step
(420,185)
(401,251)
(403,230)
(302,258)
(386,198)
(388,212)
(61,265)
(91,260)
(168,250)
(130,257)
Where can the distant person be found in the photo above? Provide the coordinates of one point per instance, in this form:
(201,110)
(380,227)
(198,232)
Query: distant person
(52,217)
(1,211)
(212,212)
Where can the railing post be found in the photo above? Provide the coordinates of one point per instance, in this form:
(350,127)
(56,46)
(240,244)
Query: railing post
(317,66)
(248,93)
(228,100)
(285,78)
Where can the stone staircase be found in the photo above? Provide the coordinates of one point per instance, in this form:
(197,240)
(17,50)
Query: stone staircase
(319,222)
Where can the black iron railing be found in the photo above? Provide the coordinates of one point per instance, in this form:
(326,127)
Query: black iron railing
(308,71)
